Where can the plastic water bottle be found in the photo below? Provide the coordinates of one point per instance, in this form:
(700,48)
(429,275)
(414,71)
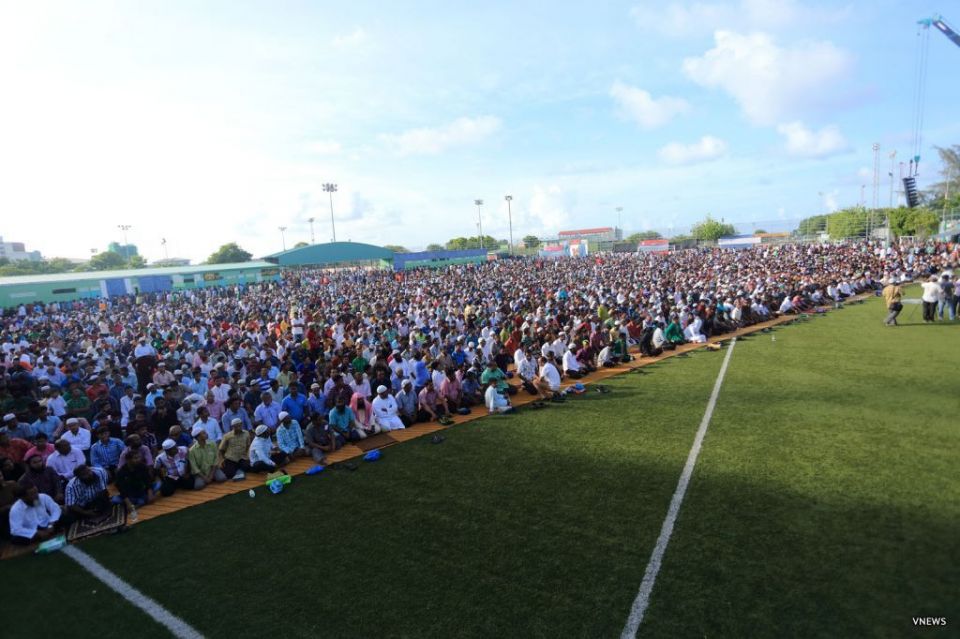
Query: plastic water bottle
(252,493)
(773,338)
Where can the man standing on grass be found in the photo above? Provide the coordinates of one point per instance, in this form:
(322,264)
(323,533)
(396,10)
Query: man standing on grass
(930,298)
(892,295)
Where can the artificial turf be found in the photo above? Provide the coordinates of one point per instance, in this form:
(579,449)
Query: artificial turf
(823,504)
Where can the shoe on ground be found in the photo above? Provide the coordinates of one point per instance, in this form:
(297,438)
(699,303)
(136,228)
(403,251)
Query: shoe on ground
(240,476)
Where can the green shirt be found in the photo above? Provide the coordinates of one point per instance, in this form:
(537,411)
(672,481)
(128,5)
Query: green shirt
(496,374)
(202,458)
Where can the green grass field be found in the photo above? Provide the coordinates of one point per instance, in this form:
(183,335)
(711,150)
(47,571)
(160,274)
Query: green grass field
(825,503)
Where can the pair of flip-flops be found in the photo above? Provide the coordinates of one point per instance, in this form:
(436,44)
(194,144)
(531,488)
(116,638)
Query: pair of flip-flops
(437,439)
(347,465)
(602,389)
(538,405)
(444,421)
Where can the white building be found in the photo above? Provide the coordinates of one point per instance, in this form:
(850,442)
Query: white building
(14,251)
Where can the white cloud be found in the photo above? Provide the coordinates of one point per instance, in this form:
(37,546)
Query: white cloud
(803,142)
(769,82)
(325,147)
(353,39)
(649,112)
(685,18)
(707,148)
(431,141)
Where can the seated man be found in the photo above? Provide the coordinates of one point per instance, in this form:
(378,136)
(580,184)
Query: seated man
(264,456)
(44,478)
(386,410)
(290,436)
(495,401)
(105,453)
(65,460)
(134,443)
(344,422)
(85,496)
(173,468)
(673,333)
(33,517)
(321,439)
(407,403)
(451,390)
(571,365)
(203,459)
(135,483)
(472,393)
(14,449)
(548,381)
(491,371)
(234,447)
(432,405)
(41,446)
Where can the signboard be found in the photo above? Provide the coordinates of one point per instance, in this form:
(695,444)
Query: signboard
(653,246)
(211,277)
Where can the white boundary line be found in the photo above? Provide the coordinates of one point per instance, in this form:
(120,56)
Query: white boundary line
(653,566)
(177,626)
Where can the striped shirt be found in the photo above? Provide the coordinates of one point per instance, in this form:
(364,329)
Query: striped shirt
(80,494)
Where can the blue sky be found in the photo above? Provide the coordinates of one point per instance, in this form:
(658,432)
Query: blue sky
(211,122)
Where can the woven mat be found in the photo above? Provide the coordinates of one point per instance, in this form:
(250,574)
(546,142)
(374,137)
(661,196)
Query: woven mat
(88,528)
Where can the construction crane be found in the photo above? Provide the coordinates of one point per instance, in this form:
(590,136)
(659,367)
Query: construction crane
(919,99)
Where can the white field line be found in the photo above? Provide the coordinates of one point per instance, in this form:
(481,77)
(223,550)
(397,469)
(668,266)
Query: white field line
(653,566)
(177,626)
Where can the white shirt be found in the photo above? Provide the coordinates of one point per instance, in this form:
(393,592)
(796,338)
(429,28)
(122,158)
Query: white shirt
(931,292)
(495,401)
(25,520)
(80,441)
(384,407)
(570,362)
(551,375)
(212,426)
(57,406)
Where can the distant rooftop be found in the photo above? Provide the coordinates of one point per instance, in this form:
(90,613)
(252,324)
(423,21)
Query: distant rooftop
(74,276)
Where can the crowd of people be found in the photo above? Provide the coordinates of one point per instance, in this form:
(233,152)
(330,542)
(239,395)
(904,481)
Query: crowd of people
(158,393)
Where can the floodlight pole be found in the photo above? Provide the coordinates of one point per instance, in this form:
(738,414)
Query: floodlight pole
(509,198)
(479,203)
(126,245)
(331,188)
(283,237)
(312,241)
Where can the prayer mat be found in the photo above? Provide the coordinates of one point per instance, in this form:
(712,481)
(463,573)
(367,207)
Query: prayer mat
(375,441)
(84,528)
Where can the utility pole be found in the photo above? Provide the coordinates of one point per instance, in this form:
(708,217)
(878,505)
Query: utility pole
(126,245)
(893,157)
(479,203)
(331,189)
(619,223)
(283,237)
(509,198)
(312,241)
(876,175)
(163,242)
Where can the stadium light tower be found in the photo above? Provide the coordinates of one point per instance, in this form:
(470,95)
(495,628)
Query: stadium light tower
(163,242)
(283,237)
(509,198)
(331,188)
(311,219)
(619,222)
(126,245)
(479,203)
